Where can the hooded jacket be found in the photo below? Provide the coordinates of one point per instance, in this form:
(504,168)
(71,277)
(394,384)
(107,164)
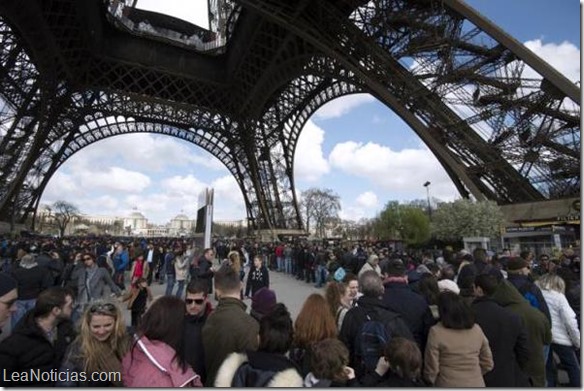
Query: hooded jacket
(508,340)
(152,364)
(538,329)
(257,369)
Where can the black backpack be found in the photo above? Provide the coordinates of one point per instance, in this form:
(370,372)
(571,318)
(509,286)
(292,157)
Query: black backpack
(372,337)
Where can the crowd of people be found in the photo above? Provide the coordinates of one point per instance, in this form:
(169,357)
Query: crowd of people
(382,319)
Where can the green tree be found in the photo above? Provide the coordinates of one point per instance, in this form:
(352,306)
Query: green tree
(319,206)
(64,212)
(454,220)
(402,222)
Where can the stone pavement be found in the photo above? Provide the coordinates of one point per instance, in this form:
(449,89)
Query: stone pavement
(289,291)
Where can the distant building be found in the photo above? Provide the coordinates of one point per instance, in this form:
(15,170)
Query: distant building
(181,225)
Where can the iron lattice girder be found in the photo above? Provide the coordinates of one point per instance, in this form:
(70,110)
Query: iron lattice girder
(453,76)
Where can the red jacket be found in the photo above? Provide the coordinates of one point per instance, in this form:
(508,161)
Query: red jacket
(152,364)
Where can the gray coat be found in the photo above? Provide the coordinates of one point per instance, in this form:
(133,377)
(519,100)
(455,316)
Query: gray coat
(98,278)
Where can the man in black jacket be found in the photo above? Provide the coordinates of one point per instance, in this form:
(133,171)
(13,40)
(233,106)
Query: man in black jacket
(369,305)
(506,333)
(31,356)
(400,298)
(198,309)
(204,269)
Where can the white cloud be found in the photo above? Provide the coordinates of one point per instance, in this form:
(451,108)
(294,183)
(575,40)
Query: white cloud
(367,199)
(565,57)
(116,179)
(402,172)
(341,106)
(309,162)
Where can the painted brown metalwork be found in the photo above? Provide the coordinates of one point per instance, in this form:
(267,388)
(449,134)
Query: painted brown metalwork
(74,72)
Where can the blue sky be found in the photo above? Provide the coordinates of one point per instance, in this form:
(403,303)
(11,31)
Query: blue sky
(349,145)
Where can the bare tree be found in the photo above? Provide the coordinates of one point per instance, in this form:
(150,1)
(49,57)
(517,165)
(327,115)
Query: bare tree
(64,213)
(319,206)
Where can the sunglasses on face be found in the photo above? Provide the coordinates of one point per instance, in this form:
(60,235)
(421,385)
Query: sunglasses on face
(195,301)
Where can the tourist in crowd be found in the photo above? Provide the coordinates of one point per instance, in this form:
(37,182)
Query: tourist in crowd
(181,269)
(369,306)
(428,288)
(204,269)
(538,329)
(457,352)
(329,362)
(8,297)
(400,366)
(352,282)
(338,297)
(400,298)
(518,274)
(314,323)
(157,357)
(140,268)
(229,328)
(99,348)
(198,309)
(262,303)
(258,277)
(138,298)
(506,333)
(268,366)
(371,264)
(169,270)
(565,332)
(32,280)
(120,260)
(92,281)
(40,339)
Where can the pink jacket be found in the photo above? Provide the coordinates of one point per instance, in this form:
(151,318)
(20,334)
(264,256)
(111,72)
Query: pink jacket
(152,364)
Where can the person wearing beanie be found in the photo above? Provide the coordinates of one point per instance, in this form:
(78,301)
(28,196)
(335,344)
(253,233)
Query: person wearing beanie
(8,297)
(262,303)
(518,274)
(400,298)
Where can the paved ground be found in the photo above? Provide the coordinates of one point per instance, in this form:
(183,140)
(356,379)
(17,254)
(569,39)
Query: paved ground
(288,290)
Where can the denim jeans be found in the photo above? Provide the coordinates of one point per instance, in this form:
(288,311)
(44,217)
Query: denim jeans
(320,274)
(567,356)
(288,265)
(22,307)
(180,289)
(170,279)
(280,264)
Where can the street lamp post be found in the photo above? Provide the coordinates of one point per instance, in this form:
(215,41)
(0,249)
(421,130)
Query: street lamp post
(427,186)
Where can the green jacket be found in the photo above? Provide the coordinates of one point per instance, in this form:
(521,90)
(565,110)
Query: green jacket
(229,329)
(538,329)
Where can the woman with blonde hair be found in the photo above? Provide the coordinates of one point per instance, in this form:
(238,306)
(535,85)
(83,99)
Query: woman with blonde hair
(314,323)
(565,332)
(99,348)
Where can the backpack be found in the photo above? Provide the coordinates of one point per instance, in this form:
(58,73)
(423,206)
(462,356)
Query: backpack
(372,337)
